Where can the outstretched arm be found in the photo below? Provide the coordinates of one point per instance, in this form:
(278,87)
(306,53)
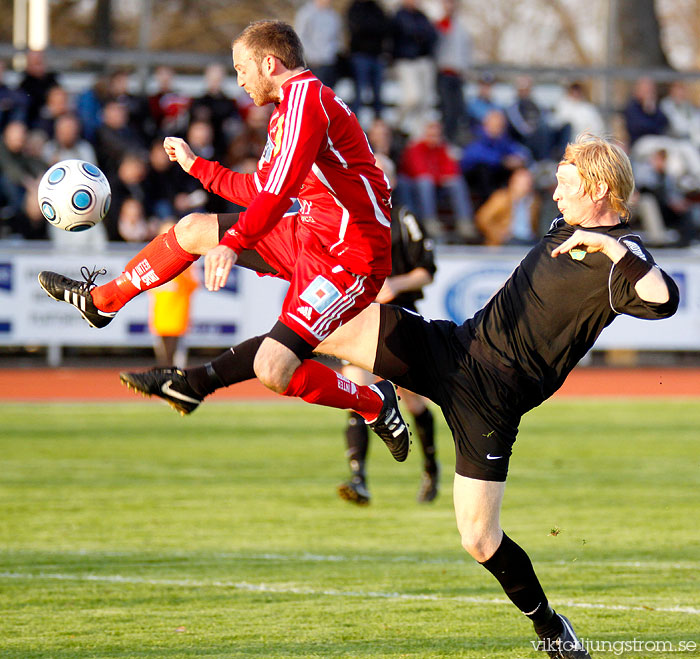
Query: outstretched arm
(651,287)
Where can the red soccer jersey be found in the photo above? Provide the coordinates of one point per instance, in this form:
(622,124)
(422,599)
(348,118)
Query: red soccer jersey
(317,153)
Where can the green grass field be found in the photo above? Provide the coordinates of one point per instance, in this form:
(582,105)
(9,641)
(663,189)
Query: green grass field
(127,531)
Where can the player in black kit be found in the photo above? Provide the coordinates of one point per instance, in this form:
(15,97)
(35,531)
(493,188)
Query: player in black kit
(412,268)
(517,351)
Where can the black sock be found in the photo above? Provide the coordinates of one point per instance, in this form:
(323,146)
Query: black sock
(233,366)
(425,429)
(513,569)
(357,439)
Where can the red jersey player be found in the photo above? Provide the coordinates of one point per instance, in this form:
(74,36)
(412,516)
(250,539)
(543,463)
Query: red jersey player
(335,251)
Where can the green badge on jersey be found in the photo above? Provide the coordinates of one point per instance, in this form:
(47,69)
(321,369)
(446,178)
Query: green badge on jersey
(577,254)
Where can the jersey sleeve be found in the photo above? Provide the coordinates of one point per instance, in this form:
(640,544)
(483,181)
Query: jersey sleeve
(624,298)
(297,143)
(238,188)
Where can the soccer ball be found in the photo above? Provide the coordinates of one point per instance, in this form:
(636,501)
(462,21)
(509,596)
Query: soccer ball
(74,195)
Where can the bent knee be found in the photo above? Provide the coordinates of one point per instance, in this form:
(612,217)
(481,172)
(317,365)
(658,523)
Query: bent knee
(273,377)
(197,233)
(480,544)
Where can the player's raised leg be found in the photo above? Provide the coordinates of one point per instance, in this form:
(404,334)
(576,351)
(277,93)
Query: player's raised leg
(280,364)
(185,389)
(356,340)
(165,257)
(477,509)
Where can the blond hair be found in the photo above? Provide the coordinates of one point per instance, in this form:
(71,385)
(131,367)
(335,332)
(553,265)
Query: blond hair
(598,160)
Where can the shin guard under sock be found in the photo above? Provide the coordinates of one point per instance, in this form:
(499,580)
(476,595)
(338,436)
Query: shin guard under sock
(158,262)
(318,384)
(513,569)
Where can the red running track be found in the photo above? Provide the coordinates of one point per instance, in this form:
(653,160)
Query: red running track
(72,384)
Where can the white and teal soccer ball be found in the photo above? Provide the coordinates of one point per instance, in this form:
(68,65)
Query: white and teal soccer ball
(74,195)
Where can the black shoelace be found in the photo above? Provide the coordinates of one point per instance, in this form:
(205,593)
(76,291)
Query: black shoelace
(89,277)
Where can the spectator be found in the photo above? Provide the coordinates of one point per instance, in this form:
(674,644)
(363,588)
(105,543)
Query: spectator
(414,40)
(368,26)
(115,137)
(574,110)
(682,114)
(319,27)
(511,214)
(58,103)
(36,83)
(529,126)
(138,112)
(28,222)
(643,116)
(383,139)
(88,106)
(217,108)
(13,104)
(133,225)
(128,183)
(200,137)
(490,158)
(35,145)
(431,170)
(162,184)
(20,172)
(169,109)
(251,142)
(482,103)
(663,205)
(453,58)
(67,143)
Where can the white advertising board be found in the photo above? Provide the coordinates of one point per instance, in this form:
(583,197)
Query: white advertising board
(247,306)
(465,280)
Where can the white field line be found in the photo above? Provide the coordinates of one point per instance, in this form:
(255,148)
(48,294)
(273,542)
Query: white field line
(286,589)
(308,557)
(331,558)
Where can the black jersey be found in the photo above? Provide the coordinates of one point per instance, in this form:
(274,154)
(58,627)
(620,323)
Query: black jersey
(551,310)
(410,249)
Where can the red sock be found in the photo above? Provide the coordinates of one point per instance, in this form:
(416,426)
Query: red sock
(316,383)
(158,262)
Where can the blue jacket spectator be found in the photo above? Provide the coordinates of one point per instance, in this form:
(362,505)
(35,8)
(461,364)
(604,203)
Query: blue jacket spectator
(413,34)
(643,116)
(488,161)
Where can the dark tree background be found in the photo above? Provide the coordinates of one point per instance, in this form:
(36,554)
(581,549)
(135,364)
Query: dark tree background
(639,35)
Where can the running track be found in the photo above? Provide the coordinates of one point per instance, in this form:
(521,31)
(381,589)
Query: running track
(71,384)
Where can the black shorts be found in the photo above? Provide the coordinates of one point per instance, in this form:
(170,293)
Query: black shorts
(481,408)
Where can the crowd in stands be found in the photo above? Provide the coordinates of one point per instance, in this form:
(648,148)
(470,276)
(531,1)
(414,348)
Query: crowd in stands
(475,170)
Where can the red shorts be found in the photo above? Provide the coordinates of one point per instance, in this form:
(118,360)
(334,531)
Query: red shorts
(322,295)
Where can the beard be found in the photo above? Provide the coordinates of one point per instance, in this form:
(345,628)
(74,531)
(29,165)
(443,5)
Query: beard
(263,92)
